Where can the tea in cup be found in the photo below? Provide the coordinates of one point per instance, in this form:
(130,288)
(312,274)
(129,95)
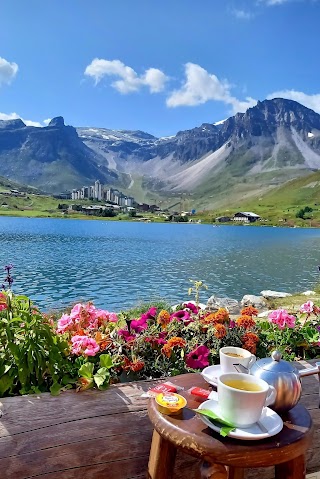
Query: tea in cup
(242,398)
(231,355)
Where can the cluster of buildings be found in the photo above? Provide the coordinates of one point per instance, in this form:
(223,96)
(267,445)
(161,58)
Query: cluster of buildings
(15,193)
(99,193)
(243,216)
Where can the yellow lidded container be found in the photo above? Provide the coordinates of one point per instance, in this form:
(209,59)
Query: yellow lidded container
(170,403)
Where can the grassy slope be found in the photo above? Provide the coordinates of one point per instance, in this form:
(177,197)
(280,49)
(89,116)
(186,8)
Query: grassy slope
(6,185)
(279,205)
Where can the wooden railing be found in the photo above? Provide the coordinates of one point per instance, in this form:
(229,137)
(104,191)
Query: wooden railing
(99,435)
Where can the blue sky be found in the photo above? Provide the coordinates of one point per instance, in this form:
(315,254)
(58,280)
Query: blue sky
(157,66)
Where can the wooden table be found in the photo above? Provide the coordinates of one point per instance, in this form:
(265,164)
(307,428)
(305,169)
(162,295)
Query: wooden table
(286,450)
(102,435)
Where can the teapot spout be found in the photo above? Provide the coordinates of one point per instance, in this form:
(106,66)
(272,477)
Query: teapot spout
(310,371)
(242,369)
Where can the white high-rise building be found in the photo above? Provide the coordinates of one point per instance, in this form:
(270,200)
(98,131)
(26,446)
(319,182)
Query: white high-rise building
(97,190)
(91,192)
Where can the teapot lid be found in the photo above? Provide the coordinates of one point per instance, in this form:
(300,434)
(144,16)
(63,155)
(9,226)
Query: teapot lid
(276,364)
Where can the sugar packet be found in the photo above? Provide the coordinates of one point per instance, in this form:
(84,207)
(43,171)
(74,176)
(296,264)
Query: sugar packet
(166,387)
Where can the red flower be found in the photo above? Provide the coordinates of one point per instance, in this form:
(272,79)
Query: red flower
(198,358)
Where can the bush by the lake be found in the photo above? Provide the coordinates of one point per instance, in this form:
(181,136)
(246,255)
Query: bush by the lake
(90,347)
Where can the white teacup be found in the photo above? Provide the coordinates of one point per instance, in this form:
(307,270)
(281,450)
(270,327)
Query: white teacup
(243,407)
(231,355)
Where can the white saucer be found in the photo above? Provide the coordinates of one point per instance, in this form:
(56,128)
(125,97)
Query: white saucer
(211,374)
(271,424)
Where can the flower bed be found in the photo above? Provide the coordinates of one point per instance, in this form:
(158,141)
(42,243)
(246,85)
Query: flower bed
(90,347)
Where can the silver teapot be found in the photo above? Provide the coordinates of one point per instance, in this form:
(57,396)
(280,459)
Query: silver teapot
(283,376)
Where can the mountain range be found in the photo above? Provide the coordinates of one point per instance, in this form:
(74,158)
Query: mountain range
(242,157)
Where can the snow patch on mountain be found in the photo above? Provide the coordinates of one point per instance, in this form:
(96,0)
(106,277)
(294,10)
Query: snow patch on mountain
(221,122)
(312,159)
(196,173)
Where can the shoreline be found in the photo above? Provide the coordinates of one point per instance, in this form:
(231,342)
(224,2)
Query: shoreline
(156,221)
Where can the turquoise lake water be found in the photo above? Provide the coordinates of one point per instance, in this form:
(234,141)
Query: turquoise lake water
(118,264)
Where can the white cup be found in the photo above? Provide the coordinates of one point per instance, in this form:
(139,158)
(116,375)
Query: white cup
(245,358)
(243,408)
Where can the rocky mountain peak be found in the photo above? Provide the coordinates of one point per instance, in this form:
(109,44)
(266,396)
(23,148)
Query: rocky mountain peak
(12,124)
(58,121)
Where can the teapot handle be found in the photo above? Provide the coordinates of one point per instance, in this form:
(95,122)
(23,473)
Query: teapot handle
(310,371)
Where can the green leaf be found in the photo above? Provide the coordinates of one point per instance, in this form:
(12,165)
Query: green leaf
(106,361)
(101,377)
(67,380)
(55,389)
(86,370)
(5,383)
(225,426)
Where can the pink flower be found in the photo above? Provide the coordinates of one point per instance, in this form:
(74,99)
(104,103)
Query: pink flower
(124,333)
(84,345)
(3,302)
(139,325)
(182,315)
(307,307)
(282,318)
(193,308)
(150,314)
(232,324)
(198,358)
(65,323)
(113,318)
(76,311)
(157,340)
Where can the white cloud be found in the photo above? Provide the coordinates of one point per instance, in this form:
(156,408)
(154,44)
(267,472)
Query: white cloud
(310,101)
(275,2)
(129,81)
(272,3)
(47,121)
(15,116)
(7,71)
(242,14)
(201,86)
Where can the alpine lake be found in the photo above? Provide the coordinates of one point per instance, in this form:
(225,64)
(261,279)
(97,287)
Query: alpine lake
(119,264)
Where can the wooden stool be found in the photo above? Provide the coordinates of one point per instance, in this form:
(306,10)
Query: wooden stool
(225,458)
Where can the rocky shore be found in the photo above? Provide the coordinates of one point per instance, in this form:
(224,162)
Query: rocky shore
(265,302)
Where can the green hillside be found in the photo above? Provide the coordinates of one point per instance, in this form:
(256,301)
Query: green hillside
(6,184)
(280,205)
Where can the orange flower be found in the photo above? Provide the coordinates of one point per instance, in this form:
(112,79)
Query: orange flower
(103,340)
(250,311)
(176,341)
(211,318)
(163,318)
(245,322)
(127,363)
(222,315)
(250,337)
(137,365)
(166,350)
(220,331)
(250,346)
